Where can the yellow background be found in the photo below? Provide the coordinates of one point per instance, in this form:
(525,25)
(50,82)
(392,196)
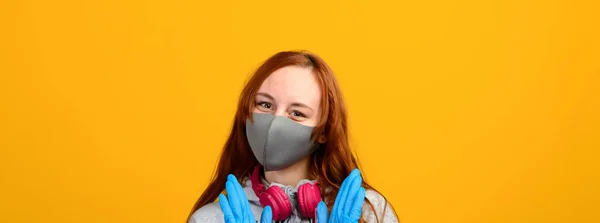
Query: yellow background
(460,111)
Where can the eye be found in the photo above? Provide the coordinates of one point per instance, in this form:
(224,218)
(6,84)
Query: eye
(265,106)
(298,114)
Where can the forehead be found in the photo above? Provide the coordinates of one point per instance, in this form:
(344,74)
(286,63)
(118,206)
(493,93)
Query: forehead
(293,84)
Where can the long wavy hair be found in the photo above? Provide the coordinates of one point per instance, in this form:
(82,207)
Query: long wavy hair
(330,163)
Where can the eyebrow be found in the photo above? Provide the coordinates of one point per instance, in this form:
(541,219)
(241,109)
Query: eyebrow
(293,104)
(301,105)
(266,95)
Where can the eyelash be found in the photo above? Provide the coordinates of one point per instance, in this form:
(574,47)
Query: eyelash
(300,114)
(261,103)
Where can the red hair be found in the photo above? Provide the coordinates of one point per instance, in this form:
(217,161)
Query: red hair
(332,162)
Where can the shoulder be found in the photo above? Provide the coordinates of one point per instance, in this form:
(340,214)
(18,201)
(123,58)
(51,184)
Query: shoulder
(381,209)
(208,213)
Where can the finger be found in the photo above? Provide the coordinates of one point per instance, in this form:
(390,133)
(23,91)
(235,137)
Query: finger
(352,192)
(321,213)
(237,186)
(341,193)
(234,201)
(356,209)
(226,209)
(340,199)
(245,212)
(245,205)
(267,215)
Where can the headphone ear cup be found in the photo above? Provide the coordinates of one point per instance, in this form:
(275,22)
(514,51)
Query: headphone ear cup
(279,202)
(309,197)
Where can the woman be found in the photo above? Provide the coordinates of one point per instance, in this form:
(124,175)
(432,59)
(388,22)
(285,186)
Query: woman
(289,148)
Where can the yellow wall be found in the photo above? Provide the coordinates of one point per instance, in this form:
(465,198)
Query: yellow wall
(461,111)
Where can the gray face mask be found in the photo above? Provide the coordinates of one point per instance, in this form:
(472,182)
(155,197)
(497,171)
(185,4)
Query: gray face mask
(278,142)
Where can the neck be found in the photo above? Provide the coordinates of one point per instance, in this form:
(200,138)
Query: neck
(291,175)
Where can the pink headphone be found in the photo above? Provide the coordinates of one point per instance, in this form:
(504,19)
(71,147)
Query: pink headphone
(309,196)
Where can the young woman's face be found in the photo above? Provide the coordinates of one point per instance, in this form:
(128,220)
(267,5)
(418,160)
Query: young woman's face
(292,92)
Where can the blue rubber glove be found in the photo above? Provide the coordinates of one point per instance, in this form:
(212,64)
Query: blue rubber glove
(236,209)
(348,202)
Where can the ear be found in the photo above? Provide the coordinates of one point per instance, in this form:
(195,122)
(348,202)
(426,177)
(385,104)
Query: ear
(321,139)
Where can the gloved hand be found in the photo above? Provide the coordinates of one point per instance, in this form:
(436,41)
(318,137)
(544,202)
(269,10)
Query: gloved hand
(236,209)
(348,202)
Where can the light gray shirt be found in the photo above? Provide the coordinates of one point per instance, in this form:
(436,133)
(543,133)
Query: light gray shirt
(211,213)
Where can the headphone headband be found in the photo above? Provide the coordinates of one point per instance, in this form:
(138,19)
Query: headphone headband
(257,186)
